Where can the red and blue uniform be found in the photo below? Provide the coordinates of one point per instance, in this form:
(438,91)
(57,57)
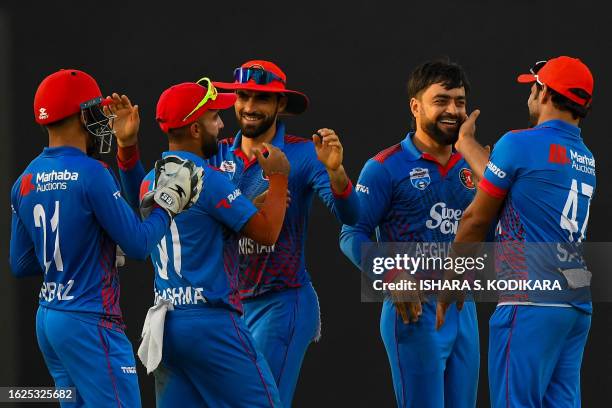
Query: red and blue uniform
(407,196)
(280,305)
(68,217)
(209,356)
(547,176)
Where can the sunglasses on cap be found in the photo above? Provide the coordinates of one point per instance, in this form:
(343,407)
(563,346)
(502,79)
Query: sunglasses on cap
(536,68)
(211,95)
(259,75)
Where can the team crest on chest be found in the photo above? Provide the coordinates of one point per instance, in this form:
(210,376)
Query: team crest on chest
(228,166)
(465,175)
(419,177)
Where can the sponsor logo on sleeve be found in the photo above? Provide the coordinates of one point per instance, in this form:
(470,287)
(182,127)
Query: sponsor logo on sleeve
(496,170)
(419,177)
(226,202)
(362,189)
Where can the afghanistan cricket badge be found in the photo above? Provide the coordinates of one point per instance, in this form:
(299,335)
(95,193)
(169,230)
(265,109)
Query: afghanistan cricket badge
(419,177)
(228,166)
(465,175)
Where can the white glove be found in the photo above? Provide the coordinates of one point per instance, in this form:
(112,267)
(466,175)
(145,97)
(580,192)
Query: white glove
(178,184)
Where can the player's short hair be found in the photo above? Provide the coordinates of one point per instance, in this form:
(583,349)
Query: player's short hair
(58,123)
(565,104)
(178,134)
(440,71)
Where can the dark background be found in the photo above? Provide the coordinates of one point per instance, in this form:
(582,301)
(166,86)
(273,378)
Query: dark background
(353,60)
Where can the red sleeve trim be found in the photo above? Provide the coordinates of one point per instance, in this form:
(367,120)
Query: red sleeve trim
(144,188)
(347,191)
(491,189)
(128,157)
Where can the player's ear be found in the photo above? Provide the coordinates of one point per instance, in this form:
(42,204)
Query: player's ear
(282,103)
(194,130)
(415,106)
(545,92)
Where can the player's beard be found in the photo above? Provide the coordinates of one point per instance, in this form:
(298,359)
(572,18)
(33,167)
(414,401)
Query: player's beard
(532,106)
(210,146)
(254,131)
(533,118)
(441,136)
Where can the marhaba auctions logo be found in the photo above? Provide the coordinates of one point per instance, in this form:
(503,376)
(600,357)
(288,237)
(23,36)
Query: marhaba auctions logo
(55,180)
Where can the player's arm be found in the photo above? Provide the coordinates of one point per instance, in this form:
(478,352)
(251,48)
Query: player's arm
(240,214)
(131,173)
(329,179)
(375,190)
(22,255)
(374,194)
(136,238)
(476,220)
(473,152)
(125,126)
(498,177)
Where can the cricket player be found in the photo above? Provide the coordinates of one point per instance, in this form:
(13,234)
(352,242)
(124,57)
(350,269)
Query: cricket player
(542,179)
(280,304)
(416,191)
(68,216)
(209,357)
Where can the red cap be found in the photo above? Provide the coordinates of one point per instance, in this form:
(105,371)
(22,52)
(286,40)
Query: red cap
(61,94)
(564,74)
(297,102)
(179,100)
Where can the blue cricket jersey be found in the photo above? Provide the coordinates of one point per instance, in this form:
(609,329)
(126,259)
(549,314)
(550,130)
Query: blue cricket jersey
(68,216)
(407,196)
(190,267)
(280,266)
(547,176)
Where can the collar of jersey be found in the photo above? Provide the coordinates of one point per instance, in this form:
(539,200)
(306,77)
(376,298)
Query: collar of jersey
(561,125)
(186,155)
(62,150)
(411,150)
(414,154)
(278,140)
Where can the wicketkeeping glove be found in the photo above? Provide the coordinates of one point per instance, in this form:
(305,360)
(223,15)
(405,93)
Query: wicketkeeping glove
(178,184)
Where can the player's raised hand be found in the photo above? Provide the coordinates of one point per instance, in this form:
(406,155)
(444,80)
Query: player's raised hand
(127,120)
(178,184)
(275,163)
(407,302)
(328,147)
(468,127)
